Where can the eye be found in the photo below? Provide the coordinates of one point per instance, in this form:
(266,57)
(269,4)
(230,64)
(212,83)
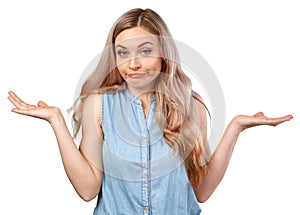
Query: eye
(146,51)
(122,53)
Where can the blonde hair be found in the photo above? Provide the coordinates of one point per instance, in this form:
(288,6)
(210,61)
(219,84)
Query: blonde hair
(177,115)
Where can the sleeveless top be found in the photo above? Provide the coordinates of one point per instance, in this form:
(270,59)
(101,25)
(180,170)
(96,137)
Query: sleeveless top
(142,175)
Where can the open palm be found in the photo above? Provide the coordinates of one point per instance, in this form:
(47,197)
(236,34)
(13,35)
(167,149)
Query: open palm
(243,122)
(41,110)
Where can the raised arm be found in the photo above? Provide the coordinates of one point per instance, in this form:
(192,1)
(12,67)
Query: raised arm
(220,159)
(85,174)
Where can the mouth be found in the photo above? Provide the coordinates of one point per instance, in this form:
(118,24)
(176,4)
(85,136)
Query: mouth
(136,74)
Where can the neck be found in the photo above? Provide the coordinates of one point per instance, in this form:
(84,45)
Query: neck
(145,97)
(144,94)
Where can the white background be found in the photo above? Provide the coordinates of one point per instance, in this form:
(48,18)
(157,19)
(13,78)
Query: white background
(253,47)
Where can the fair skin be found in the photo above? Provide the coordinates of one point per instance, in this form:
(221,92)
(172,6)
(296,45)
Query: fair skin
(84,176)
(221,157)
(139,63)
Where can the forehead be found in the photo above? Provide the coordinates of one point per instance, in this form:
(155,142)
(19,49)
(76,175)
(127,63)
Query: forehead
(135,36)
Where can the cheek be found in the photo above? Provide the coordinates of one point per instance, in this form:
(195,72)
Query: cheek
(154,64)
(122,69)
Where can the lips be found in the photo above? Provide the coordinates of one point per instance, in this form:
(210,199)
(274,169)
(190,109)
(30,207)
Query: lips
(136,74)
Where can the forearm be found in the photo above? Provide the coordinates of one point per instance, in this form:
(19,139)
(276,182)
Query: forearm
(218,164)
(86,182)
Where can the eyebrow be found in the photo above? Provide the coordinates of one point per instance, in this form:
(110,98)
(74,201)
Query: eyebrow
(144,43)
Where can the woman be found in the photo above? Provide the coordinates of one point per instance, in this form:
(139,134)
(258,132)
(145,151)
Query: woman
(144,147)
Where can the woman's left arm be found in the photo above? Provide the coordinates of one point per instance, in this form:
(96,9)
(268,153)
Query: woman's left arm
(220,159)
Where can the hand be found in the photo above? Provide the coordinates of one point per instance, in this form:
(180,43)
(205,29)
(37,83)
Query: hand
(41,110)
(243,122)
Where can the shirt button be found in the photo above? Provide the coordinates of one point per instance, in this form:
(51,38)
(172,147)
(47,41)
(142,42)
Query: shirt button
(145,171)
(145,136)
(146,208)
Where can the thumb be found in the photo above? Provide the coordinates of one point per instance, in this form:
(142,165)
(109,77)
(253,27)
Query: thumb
(259,114)
(42,104)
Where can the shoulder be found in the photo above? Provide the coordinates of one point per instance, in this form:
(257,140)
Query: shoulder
(92,101)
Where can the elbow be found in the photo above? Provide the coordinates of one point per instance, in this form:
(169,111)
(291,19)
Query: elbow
(89,191)
(88,194)
(202,199)
(87,197)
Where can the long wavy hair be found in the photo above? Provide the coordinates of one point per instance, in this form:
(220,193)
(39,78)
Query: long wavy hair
(177,115)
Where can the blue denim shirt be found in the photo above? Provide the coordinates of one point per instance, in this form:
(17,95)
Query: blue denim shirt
(142,175)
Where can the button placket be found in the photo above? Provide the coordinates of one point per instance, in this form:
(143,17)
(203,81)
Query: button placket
(145,160)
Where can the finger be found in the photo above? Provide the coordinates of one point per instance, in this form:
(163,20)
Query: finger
(258,114)
(42,104)
(16,100)
(22,111)
(19,103)
(278,120)
(285,118)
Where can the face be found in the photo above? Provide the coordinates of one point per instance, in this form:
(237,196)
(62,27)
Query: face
(138,58)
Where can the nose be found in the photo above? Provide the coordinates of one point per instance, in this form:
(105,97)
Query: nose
(134,63)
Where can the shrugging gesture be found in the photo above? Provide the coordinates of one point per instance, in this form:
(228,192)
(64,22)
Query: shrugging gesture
(136,111)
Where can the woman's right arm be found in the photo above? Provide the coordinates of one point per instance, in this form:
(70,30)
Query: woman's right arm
(85,174)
